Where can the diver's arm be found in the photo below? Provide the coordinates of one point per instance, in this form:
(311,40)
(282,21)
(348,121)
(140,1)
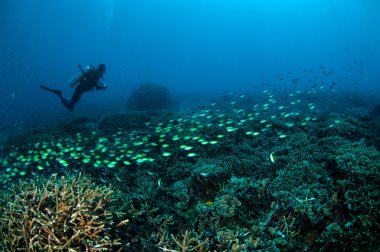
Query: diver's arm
(100,86)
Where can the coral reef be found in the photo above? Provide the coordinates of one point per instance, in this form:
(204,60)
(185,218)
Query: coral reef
(67,214)
(235,175)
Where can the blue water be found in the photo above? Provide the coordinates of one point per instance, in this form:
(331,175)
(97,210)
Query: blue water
(195,47)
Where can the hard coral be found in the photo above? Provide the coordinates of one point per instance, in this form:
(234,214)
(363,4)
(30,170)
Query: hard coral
(67,214)
(150,97)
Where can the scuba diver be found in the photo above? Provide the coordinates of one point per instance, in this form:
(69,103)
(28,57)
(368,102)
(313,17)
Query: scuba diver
(87,79)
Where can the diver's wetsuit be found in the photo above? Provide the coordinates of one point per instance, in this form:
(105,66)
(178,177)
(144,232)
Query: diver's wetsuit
(89,81)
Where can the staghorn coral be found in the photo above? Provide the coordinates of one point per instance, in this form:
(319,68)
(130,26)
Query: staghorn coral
(67,214)
(190,241)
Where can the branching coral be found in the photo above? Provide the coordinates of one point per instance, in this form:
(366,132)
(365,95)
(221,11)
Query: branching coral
(189,242)
(67,214)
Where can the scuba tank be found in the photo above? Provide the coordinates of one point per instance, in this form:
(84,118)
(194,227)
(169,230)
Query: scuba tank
(73,81)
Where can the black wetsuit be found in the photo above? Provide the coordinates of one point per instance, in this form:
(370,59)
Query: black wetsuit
(88,82)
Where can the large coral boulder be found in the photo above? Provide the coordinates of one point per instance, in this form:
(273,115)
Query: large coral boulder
(150,96)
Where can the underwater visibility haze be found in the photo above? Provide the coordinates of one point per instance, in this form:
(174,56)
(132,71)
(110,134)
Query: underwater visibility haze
(202,125)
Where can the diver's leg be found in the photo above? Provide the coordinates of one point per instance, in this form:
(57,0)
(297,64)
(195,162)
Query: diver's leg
(76,95)
(67,103)
(74,99)
(57,92)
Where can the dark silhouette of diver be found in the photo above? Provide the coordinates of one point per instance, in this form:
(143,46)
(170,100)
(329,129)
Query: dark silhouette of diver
(89,80)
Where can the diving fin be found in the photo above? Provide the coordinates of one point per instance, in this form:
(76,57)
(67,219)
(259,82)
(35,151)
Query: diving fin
(57,92)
